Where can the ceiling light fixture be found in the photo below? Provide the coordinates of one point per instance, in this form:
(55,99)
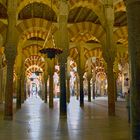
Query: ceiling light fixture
(50,51)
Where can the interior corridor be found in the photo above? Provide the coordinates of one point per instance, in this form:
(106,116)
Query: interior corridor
(35,121)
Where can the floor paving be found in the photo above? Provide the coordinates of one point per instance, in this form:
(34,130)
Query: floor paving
(35,121)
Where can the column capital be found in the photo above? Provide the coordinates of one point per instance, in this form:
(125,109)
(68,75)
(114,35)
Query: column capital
(10,53)
(108,57)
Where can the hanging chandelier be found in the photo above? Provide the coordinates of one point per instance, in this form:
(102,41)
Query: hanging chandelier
(51,52)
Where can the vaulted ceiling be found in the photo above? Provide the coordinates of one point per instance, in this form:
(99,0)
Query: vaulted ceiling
(34,19)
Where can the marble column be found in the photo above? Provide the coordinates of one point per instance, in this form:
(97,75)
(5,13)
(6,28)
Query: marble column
(8,112)
(23,88)
(89,74)
(46,88)
(43,88)
(1,101)
(89,89)
(18,91)
(68,80)
(4,76)
(51,82)
(68,89)
(81,79)
(80,70)
(93,82)
(77,85)
(116,71)
(111,89)
(63,96)
(46,77)
(109,51)
(22,77)
(63,42)
(10,53)
(93,89)
(133,16)
(115,84)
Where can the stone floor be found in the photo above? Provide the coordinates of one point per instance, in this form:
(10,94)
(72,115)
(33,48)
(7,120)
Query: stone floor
(35,121)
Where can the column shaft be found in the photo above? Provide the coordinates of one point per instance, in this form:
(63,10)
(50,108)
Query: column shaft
(64,44)
(63,105)
(93,90)
(81,91)
(109,55)
(23,89)
(1,76)
(18,93)
(51,90)
(89,91)
(46,90)
(111,90)
(68,89)
(10,53)
(133,8)
(8,112)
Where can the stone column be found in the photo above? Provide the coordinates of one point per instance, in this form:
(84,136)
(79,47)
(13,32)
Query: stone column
(116,71)
(111,89)
(10,53)
(43,88)
(4,76)
(1,101)
(109,54)
(18,91)
(46,88)
(68,81)
(8,114)
(68,89)
(63,43)
(89,74)
(46,80)
(133,8)
(51,73)
(93,83)
(89,89)
(23,88)
(81,79)
(77,86)
(93,89)
(80,70)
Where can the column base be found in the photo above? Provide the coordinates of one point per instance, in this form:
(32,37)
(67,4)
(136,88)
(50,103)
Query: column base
(89,100)
(51,106)
(63,115)
(82,105)
(8,118)
(111,109)
(18,107)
